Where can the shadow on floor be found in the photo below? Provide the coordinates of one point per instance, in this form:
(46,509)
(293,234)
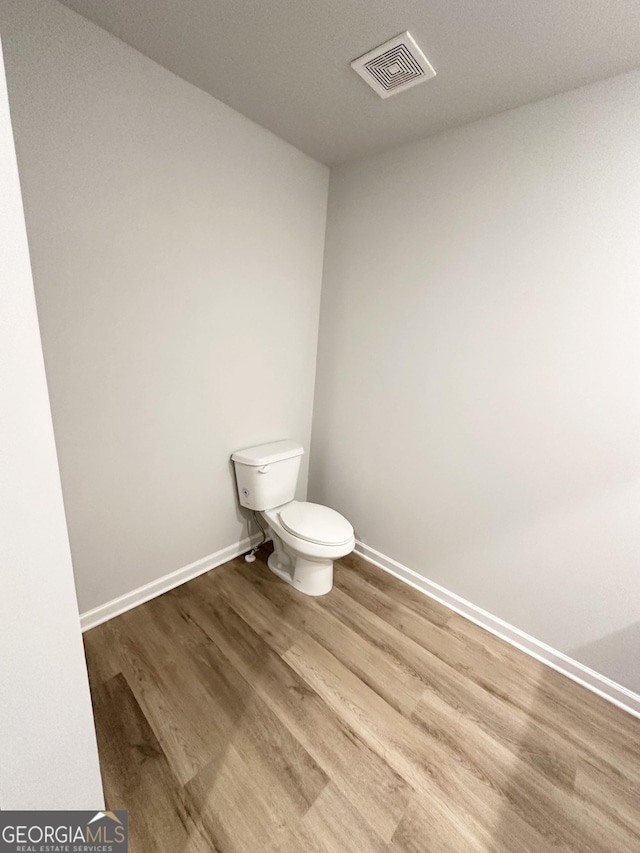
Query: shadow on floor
(234,714)
(575,775)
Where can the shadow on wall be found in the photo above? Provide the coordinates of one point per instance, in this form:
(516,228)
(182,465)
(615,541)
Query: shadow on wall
(610,653)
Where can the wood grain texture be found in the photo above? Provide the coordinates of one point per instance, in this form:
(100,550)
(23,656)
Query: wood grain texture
(234,714)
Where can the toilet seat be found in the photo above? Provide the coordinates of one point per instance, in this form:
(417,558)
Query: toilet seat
(316,523)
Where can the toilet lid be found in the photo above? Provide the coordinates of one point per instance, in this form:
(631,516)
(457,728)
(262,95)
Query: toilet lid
(316,523)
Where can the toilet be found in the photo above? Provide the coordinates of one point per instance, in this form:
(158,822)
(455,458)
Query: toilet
(307,537)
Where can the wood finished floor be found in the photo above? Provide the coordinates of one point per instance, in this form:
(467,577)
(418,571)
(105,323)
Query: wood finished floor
(234,714)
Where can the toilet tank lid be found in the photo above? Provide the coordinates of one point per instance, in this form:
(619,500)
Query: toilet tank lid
(264,454)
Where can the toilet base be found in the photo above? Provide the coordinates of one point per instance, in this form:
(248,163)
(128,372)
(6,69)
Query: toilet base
(312,577)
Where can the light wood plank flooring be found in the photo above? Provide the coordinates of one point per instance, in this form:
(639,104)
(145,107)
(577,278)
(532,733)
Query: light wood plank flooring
(234,714)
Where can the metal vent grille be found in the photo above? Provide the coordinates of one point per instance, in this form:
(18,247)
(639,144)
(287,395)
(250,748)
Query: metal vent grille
(394,66)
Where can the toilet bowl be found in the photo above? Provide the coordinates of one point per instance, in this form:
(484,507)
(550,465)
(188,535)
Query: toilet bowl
(307,537)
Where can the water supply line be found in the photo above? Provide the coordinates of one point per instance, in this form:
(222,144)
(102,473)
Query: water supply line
(251,556)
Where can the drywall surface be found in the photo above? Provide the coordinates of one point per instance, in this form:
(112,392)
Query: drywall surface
(177,258)
(477,406)
(48,755)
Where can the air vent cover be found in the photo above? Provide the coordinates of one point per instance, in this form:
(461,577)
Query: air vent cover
(394,66)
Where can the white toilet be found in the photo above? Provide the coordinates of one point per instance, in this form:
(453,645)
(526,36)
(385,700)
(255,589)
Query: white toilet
(307,537)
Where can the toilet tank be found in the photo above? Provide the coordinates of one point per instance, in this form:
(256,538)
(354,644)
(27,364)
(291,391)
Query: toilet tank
(267,474)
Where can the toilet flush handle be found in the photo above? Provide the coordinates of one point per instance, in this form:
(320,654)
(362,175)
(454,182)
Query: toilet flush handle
(264,469)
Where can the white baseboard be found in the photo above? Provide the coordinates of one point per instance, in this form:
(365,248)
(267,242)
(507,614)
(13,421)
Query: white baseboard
(125,602)
(589,678)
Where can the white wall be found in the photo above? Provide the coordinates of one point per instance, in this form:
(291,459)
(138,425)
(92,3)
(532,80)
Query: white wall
(477,411)
(48,755)
(177,257)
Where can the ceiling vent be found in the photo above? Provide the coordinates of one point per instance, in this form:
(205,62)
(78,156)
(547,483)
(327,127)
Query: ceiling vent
(394,66)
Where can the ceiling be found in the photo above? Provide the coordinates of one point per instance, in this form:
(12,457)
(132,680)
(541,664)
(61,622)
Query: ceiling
(285,63)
